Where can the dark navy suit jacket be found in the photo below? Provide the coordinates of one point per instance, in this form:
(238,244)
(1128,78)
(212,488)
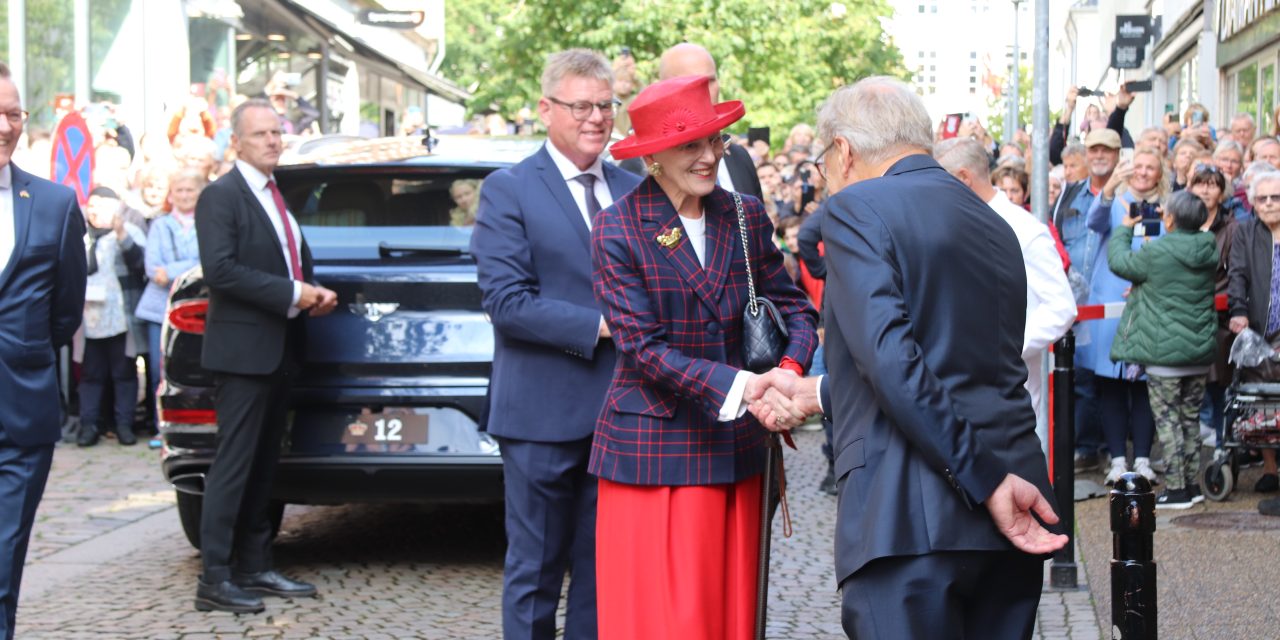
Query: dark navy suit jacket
(533,260)
(41,306)
(926,302)
(678,327)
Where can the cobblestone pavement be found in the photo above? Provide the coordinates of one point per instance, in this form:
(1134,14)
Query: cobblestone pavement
(109,561)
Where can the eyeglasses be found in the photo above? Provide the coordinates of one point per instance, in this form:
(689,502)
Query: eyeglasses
(583,109)
(16,118)
(1267,198)
(821,162)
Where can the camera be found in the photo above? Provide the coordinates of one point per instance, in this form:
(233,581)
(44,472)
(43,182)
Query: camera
(1085,92)
(1149,214)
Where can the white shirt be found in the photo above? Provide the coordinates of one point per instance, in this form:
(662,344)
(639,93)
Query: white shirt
(8,226)
(571,171)
(722,174)
(258,185)
(696,229)
(1051,307)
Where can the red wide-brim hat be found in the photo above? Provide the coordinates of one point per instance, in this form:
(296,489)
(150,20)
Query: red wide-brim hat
(672,112)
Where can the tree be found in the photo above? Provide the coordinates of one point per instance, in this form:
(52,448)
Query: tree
(998,106)
(782,58)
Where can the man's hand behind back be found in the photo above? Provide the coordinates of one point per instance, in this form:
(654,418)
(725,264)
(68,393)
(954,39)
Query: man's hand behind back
(1011,506)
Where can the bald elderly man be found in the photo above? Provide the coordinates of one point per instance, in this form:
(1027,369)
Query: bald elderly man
(737,172)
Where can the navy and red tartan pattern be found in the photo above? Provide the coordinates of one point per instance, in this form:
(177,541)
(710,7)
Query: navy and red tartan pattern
(678,331)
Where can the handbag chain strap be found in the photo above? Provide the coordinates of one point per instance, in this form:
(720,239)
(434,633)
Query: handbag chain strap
(752,306)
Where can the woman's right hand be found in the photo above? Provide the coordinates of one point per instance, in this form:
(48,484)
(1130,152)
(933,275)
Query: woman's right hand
(1238,324)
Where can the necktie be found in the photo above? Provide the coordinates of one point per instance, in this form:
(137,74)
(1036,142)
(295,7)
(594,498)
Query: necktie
(295,265)
(588,183)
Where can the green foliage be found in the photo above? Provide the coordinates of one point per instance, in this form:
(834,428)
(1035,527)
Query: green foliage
(782,58)
(999,106)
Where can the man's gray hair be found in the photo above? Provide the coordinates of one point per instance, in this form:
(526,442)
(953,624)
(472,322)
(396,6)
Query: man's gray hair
(582,63)
(1244,115)
(237,115)
(1256,167)
(1264,177)
(963,153)
(1075,149)
(1227,144)
(879,117)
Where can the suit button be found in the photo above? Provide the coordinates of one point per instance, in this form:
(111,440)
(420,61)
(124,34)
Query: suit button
(713,328)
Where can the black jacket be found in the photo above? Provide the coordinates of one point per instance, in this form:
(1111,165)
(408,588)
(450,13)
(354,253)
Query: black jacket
(1249,276)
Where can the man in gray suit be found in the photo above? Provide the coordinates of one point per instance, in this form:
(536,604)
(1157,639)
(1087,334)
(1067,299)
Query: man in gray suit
(926,300)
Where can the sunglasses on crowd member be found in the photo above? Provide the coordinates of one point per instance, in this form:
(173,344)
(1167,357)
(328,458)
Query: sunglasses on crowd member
(1200,166)
(582,109)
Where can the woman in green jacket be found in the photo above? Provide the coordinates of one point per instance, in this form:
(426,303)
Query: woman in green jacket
(1169,326)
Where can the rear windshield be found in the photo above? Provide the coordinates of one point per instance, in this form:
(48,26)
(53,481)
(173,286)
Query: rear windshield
(347,212)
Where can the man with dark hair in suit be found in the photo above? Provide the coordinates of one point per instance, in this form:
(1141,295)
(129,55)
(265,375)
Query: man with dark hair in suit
(553,354)
(258,269)
(42,282)
(939,469)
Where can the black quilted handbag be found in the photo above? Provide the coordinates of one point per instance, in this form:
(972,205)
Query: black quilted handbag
(764,334)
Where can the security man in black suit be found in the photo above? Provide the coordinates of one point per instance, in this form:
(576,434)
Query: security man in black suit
(258,270)
(943,488)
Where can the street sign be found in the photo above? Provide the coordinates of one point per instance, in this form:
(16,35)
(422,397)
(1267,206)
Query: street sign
(1127,55)
(392,19)
(73,156)
(1134,28)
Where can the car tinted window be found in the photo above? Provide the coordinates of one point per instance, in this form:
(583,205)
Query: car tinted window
(347,211)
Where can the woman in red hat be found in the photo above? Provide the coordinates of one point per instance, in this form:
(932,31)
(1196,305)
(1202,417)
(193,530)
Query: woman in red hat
(678,457)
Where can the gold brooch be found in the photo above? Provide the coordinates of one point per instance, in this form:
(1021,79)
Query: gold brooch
(670,239)
(24,194)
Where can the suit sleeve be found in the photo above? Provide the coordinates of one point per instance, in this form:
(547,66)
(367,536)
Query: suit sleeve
(71,279)
(1123,260)
(1056,308)
(637,330)
(808,237)
(217,234)
(864,294)
(510,283)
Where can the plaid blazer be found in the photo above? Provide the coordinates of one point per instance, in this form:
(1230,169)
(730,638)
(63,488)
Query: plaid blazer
(678,331)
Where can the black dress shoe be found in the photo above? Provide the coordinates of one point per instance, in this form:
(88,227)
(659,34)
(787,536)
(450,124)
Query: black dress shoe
(273,583)
(88,436)
(226,596)
(124,434)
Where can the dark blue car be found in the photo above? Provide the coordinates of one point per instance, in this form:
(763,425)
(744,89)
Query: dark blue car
(391,396)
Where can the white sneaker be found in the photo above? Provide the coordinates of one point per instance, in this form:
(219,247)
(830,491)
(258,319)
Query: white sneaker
(1142,467)
(1118,468)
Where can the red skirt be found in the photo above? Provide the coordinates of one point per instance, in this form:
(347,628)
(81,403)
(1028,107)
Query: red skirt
(677,562)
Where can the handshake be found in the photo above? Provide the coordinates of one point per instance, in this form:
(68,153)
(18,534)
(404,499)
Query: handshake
(780,399)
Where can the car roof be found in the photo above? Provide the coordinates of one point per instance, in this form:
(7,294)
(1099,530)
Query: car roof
(446,151)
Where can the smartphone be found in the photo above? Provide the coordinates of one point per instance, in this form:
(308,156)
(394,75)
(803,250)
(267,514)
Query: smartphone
(951,128)
(1137,86)
(1126,155)
(1085,92)
(1197,117)
(1150,216)
(625,52)
(292,79)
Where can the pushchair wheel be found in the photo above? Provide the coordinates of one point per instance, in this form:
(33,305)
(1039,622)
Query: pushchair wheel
(1219,479)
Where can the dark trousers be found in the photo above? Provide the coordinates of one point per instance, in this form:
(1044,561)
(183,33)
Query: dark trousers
(1088,426)
(551,528)
(1125,409)
(23,472)
(105,363)
(235,525)
(957,595)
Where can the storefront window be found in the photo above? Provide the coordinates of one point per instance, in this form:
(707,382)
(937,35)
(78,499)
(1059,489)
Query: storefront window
(1247,90)
(50,57)
(211,57)
(106,17)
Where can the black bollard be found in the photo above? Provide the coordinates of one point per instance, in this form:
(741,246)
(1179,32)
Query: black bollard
(1063,572)
(1133,566)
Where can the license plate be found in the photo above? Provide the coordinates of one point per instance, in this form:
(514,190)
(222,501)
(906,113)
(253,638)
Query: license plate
(392,426)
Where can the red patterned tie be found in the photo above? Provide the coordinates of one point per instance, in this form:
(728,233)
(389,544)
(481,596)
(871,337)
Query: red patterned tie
(295,265)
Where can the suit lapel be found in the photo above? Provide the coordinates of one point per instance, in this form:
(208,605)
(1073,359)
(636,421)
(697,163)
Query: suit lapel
(560,191)
(722,238)
(257,212)
(20,183)
(659,217)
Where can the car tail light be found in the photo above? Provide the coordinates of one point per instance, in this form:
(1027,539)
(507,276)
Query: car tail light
(189,416)
(187,316)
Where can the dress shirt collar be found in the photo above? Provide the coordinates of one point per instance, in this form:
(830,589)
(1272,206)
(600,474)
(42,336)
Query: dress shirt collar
(256,179)
(568,169)
(6,176)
